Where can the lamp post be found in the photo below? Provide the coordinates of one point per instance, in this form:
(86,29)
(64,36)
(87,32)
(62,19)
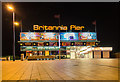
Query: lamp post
(14,23)
(13,37)
(21,25)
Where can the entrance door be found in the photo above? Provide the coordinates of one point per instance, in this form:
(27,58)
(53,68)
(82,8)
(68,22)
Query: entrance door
(72,55)
(97,54)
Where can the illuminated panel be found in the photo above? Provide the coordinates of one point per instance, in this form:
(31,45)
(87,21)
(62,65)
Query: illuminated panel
(68,36)
(28,44)
(65,43)
(29,48)
(46,53)
(90,44)
(48,36)
(103,48)
(78,43)
(87,36)
(35,36)
(40,43)
(53,44)
(27,36)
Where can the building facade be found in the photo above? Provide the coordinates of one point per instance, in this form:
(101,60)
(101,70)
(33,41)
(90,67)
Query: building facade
(70,45)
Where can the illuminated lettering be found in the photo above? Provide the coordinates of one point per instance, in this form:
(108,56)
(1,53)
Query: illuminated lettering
(42,27)
(63,27)
(37,27)
(76,27)
(72,26)
(57,28)
(46,27)
(51,28)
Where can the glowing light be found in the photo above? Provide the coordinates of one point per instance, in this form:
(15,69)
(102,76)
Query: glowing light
(21,44)
(10,7)
(16,23)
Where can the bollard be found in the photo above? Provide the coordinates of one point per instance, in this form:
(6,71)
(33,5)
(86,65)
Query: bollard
(22,57)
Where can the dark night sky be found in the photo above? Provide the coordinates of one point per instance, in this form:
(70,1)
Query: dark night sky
(105,14)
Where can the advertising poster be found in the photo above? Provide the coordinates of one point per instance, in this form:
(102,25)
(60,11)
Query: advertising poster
(35,36)
(27,36)
(68,36)
(48,36)
(87,36)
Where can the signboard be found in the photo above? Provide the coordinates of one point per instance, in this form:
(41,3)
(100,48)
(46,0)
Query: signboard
(87,36)
(68,36)
(44,27)
(78,43)
(90,43)
(53,44)
(28,44)
(65,43)
(40,43)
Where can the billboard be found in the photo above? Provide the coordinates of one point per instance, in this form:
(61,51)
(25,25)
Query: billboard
(36,36)
(69,36)
(48,36)
(29,36)
(87,36)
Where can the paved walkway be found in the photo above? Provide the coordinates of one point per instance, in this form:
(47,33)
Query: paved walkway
(79,69)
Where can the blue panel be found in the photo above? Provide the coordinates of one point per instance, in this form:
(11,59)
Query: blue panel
(69,36)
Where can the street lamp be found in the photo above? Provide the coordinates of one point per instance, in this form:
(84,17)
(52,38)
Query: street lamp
(16,23)
(12,9)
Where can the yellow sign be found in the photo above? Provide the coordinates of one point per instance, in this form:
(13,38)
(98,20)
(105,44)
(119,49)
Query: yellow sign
(44,27)
(76,27)
(46,53)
